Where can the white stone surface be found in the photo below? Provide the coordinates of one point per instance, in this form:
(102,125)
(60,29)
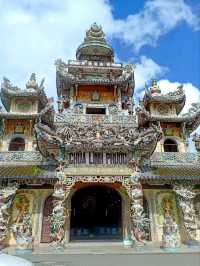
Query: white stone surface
(8,260)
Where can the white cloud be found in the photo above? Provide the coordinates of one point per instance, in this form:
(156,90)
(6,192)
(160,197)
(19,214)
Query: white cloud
(192,92)
(35,33)
(146,70)
(156,19)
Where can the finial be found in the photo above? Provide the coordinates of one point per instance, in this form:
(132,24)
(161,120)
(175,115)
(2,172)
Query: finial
(154,87)
(95,31)
(154,82)
(32,84)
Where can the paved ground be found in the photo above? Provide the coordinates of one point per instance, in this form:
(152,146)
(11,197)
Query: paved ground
(118,260)
(96,254)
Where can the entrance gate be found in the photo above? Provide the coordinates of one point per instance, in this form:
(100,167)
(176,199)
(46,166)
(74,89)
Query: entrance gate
(96,213)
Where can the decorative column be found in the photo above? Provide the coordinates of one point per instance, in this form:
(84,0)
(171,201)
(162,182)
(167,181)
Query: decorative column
(60,212)
(138,217)
(7,194)
(185,196)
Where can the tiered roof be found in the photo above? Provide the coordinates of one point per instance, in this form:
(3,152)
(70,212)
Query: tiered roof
(32,91)
(154,95)
(191,119)
(95,46)
(94,65)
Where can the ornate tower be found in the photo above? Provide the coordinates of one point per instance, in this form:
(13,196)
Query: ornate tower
(94,83)
(95,138)
(22,108)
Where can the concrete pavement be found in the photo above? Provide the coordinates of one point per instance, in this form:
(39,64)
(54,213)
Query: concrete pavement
(111,254)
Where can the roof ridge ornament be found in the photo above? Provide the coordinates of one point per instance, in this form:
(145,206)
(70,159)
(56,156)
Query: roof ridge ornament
(32,83)
(7,84)
(154,87)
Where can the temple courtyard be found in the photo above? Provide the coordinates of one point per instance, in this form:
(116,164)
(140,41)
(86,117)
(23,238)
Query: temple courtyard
(111,254)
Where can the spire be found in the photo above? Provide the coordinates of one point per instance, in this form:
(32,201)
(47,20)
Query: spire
(95,46)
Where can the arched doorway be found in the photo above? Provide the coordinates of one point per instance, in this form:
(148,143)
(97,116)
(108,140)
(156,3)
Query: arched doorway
(170,145)
(96,214)
(46,223)
(17,144)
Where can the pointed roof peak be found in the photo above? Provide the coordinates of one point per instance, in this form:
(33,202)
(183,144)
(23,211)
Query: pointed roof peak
(95,46)
(95,31)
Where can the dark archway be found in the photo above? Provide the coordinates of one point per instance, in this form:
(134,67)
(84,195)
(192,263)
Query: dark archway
(17,144)
(96,214)
(46,223)
(170,146)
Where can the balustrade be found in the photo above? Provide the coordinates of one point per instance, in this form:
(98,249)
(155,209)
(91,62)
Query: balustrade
(174,158)
(8,156)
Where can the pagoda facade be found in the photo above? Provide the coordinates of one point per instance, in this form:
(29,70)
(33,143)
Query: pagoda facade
(98,168)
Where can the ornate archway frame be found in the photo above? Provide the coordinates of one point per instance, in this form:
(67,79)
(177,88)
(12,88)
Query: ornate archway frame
(125,205)
(66,187)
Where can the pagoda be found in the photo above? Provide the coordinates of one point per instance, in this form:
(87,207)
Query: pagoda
(97,168)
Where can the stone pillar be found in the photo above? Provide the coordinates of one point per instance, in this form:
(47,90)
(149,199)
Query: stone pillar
(40,197)
(61,212)
(69,192)
(185,196)
(150,197)
(139,221)
(7,194)
(127,224)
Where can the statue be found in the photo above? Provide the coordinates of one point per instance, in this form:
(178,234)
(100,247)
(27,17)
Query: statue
(22,225)
(95,96)
(113,109)
(23,233)
(167,207)
(32,83)
(78,108)
(60,105)
(170,237)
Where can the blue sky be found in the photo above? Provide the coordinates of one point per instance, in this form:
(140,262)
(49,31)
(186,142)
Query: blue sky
(178,50)
(162,37)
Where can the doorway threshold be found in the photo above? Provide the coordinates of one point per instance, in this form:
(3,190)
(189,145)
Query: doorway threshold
(101,242)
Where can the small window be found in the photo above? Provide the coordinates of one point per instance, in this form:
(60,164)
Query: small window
(96,111)
(170,146)
(17,144)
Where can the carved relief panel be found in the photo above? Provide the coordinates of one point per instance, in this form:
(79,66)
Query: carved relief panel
(172,129)
(18,126)
(95,93)
(166,206)
(22,205)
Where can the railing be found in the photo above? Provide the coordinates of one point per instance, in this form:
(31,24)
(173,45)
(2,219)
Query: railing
(124,120)
(175,158)
(20,156)
(94,64)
